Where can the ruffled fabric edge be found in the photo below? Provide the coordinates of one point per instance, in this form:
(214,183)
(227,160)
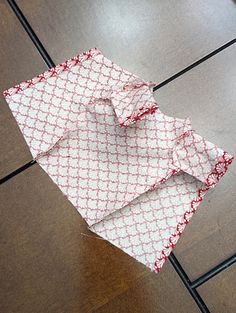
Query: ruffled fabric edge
(213,178)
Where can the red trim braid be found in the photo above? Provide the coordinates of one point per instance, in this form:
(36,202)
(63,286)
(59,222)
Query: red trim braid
(213,178)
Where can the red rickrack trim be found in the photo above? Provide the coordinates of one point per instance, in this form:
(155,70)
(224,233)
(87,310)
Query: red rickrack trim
(139,115)
(52,72)
(219,170)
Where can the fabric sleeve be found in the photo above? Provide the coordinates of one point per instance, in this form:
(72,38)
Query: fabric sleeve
(200,158)
(132,102)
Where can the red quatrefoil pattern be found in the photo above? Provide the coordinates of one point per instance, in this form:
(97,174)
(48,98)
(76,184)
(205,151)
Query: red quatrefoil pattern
(135,174)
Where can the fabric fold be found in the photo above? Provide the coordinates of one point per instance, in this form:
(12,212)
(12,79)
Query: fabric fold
(200,158)
(131,101)
(136,181)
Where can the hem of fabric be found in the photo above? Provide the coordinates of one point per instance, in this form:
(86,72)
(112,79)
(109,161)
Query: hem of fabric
(218,172)
(54,71)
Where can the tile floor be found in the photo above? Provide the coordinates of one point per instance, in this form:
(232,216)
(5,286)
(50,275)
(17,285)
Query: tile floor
(46,265)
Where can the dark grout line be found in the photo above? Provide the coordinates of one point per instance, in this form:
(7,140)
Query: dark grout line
(193,292)
(17,171)
(213,272)
(31,33)
(51,64)
(47,59)
(188,68)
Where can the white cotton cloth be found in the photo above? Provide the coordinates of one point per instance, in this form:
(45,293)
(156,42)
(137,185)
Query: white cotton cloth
(135,174)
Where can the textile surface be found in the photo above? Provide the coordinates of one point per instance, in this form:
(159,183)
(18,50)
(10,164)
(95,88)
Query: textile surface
(135,174)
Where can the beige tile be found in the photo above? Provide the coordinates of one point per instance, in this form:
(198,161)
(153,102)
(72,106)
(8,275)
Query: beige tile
(153,39)
(47,264)
(163,293)
(219,292)
(207,94)
(19,61)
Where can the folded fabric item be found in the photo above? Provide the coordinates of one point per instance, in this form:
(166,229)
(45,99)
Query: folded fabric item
(135,174)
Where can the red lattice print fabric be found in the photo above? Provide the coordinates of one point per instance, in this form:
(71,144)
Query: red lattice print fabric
(135,174)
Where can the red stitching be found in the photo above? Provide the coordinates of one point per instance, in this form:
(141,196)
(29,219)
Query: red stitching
(225,160)
(52,72)
(134,119)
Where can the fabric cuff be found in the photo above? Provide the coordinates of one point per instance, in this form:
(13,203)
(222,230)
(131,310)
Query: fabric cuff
(200,158)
